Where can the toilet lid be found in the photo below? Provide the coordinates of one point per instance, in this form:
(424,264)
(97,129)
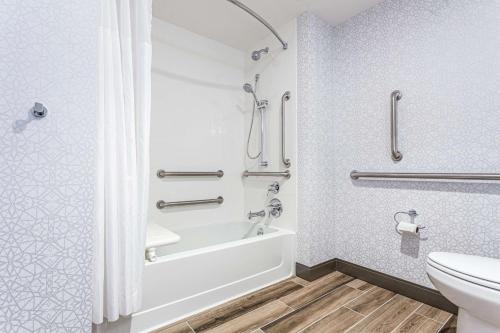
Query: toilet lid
(479,269)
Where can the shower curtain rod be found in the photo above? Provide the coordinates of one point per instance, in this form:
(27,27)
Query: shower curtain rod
(261,20)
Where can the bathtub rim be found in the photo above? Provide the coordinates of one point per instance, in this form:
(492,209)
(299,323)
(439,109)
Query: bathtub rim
(225,245)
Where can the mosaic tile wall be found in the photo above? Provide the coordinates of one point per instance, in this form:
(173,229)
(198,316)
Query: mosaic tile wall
(443,56)
(48,54)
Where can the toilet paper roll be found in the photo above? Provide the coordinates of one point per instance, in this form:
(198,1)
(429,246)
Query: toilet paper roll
(407,227)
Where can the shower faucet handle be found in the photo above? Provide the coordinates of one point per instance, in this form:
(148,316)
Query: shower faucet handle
(276,208)
(274,188)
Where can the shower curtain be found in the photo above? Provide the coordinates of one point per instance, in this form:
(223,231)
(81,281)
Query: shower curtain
(122,157)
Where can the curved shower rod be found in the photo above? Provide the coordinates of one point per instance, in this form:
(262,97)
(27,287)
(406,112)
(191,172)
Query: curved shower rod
(261,20)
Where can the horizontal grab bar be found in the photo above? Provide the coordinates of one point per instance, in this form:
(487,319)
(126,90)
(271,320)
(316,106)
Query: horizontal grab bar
(414,175)
(163,174)
(162,204)
(285,174)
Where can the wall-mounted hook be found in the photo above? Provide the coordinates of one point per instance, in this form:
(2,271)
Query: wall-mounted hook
(39,110)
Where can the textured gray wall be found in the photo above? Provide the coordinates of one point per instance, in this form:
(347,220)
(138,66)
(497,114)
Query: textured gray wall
(314,134)
(444,56)
(48,53)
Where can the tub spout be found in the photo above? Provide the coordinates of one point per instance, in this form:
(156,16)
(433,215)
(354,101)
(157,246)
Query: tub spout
(261,213)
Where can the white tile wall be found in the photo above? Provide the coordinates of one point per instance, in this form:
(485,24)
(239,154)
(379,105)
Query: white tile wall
(48,52)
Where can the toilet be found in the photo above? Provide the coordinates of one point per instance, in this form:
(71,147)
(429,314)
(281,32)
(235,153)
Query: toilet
(473,284)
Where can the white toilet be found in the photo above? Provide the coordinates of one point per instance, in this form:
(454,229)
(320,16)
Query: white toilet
(473,284)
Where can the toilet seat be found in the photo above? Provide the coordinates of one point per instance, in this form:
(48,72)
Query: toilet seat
(481,271)
(473,284)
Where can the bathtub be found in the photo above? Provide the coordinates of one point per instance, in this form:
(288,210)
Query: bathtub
(210,265)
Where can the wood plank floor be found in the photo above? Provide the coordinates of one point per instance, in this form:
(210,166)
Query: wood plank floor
(333,303)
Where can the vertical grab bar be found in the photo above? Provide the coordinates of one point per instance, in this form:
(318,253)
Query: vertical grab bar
(395,153)
(284,98)
(263,159)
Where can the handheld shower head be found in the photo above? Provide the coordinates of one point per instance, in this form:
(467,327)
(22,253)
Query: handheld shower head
(247,87)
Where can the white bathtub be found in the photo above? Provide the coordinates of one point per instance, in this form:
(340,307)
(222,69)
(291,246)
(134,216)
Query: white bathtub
(210,265)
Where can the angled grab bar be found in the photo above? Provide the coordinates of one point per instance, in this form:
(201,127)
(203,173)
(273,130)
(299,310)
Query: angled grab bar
(162,204)
(284,98)
(163,174)
(395,153)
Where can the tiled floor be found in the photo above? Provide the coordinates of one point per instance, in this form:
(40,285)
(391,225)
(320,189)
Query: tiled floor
(333,303)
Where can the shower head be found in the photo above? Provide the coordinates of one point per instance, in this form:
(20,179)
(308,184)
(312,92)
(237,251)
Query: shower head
(247,87)
(257,54)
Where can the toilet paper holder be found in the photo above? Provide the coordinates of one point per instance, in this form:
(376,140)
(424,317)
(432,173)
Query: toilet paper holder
(412,213)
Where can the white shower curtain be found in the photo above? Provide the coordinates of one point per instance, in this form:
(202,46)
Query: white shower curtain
(122,157)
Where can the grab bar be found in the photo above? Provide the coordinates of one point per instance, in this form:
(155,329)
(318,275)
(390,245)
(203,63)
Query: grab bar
(413,175)
(284,98)
(395,97)
(285,174)
(162,204)
(163,174)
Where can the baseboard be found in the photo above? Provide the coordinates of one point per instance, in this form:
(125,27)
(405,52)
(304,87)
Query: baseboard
(317,271)
(389,282)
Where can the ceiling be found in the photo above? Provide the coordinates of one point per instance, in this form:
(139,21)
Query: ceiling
(222,21)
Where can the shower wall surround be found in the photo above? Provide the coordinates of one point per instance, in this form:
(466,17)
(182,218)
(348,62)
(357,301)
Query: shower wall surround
(196,125)
(278,73)
(48,53)
(443,56)
(200,121)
